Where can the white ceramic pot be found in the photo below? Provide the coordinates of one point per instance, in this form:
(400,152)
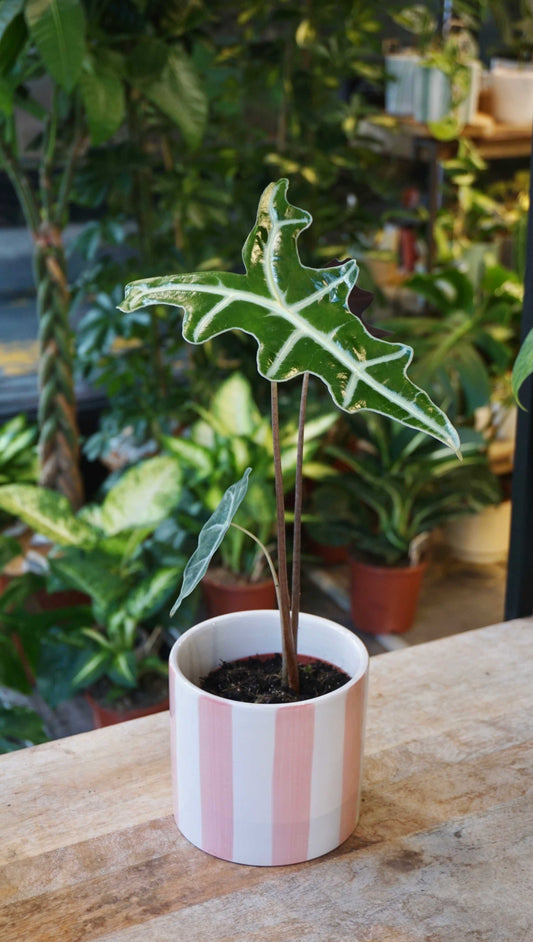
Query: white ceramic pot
(400,68)
(433,95)
(266,784)
(481,537)
(512,94)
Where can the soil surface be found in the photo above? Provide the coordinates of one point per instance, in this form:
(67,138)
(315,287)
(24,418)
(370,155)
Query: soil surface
(258,680)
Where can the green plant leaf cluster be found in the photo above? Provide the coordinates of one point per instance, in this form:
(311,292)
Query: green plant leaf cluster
(102,552)
(229,437)
(469,336)
(19,726)
(18,454)
(397,485)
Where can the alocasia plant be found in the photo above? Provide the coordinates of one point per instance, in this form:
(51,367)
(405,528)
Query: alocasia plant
(303,325)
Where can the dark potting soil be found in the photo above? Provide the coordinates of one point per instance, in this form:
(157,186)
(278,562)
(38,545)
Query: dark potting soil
(257,679)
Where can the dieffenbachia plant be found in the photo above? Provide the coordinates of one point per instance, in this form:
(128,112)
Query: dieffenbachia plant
(303,325)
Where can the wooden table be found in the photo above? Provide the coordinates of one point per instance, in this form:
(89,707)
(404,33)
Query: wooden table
(443,851)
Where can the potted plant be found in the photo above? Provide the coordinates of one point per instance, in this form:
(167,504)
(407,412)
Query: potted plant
(111,645)
(229,436)
(444,73)
(398,487)
(511,75)
(278,782)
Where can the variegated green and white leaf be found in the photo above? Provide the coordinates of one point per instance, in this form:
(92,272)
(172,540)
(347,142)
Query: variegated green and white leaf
(211,536)
(143,496)
(48,513)
(300,319)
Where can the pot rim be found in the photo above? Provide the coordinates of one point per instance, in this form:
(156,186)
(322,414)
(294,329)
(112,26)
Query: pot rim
(328,624)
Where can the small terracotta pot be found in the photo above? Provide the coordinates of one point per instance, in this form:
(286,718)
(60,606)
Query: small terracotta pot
(220,598)
(265,783)
(328,555)
(384,599)
(110,716)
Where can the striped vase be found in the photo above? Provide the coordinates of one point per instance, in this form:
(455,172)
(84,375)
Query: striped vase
(266,784)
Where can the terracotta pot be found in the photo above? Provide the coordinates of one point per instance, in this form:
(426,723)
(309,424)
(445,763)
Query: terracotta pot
(258,783)
(384,599)
(110,716)
(221,598)
(329,555)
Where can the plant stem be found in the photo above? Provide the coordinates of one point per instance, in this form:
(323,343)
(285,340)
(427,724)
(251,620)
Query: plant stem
(268,558)
(297,526)
(290,664)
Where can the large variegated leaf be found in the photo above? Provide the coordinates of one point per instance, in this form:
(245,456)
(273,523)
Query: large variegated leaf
(143,496)
(300,319)
(211,536)
(48,513)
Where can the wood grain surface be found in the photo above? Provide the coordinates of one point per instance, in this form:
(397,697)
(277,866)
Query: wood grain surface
(443,852)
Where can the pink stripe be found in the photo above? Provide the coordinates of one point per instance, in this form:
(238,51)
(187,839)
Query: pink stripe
(173,730)
(291,798)
(353,748)
(216,776)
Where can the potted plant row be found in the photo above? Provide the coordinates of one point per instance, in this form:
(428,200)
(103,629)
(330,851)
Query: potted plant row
(277,782)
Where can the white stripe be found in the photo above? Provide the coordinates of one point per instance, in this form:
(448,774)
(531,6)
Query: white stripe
(188,764)
(326,790)
(253,741)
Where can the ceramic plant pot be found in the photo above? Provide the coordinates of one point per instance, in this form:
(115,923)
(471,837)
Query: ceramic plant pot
(483,537)
(400,68)
(266,784)
(512,93)
(221,598)
(384,599)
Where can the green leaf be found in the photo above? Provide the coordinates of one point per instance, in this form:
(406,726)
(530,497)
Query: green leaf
(234,408)
(523,366)
(9,548)
(12,39)
(90,573)
(211,536)
(46,512)
(19,727)
(12,673)
(57,28)
(9,10)
(143,496)
(300,319)
(179,94)
(191,454)
(150,594)
(103,96)
(123,669)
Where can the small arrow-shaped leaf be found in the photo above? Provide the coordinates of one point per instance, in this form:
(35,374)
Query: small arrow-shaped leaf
(211,536)
(300,318)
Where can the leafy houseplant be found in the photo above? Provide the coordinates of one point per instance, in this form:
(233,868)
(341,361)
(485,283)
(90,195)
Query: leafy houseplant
(230,436)
(77,53)
(301,321)
(101,552)
(398,487)
(245,771)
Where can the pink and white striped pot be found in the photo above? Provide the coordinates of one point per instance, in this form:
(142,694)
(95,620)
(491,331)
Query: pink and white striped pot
(266,784)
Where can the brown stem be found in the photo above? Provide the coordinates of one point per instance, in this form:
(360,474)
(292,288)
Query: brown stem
(290,664)
(297,527)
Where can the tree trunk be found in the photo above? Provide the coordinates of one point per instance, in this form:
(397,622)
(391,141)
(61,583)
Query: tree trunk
(58,430)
